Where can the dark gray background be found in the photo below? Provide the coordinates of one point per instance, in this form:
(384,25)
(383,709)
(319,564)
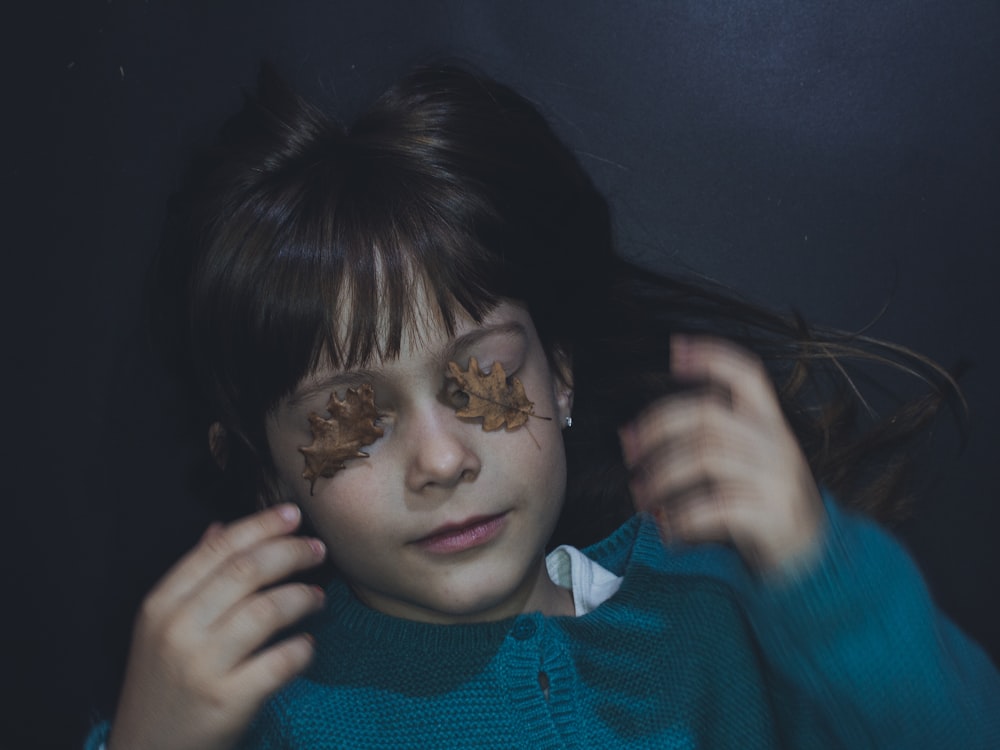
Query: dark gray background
(831,156)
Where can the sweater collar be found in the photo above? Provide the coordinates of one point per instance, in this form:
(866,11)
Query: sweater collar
(345,618)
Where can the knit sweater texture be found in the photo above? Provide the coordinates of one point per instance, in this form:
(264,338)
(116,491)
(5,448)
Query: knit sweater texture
(692,651)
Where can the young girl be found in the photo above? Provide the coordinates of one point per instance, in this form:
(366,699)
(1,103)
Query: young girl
(419,353)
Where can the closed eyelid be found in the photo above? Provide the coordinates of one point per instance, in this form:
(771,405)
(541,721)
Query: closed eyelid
(465,345)
(510,353)
(510,365)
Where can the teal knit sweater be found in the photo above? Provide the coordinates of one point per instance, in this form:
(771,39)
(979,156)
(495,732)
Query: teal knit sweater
(692,651)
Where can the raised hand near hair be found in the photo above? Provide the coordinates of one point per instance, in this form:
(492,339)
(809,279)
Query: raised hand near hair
(720,463)
(197,670)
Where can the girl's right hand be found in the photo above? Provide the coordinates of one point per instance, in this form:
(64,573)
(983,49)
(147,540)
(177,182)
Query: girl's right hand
(198,670)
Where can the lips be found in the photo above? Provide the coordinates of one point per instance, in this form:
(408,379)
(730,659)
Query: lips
(468,534)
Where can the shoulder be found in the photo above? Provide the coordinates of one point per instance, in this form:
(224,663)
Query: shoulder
(686,594)
(637,545)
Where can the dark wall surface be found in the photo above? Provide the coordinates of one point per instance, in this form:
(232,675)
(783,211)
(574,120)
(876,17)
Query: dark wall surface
(838,158)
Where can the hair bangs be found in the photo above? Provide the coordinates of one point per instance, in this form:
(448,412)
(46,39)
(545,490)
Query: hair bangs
(316,245)
(338,265)
(402,262)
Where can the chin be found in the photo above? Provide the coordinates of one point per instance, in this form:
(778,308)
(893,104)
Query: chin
(475,602)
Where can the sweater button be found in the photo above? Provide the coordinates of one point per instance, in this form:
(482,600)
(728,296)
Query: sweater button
(523,629)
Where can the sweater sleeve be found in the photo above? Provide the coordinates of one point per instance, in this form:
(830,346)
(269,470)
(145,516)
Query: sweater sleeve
(98,736)
(267,731)
(856,635)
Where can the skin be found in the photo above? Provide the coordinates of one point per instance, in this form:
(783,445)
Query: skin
(195,677)
(707,467)
(431,469)
(720,464)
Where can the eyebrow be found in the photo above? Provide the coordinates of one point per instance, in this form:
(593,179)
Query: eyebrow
(349,379)
(355,378)
(468,340)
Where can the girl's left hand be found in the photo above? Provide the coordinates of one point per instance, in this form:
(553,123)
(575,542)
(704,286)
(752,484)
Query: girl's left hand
(720,463)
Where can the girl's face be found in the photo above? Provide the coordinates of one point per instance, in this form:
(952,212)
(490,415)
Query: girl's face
(443,522)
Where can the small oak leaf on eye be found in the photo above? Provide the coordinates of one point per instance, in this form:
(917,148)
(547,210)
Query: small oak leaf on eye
(491,397)
(351,425)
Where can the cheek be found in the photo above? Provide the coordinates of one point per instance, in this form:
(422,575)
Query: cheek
(361,535)
(347,507)
(540,457)
(285,455)
(290,465)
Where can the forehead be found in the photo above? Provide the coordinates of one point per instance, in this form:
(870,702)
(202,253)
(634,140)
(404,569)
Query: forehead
(381,305)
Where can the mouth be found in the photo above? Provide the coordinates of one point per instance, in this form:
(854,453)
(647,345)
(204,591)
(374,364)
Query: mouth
(468,534)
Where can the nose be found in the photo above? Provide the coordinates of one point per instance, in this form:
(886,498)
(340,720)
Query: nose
(441,454)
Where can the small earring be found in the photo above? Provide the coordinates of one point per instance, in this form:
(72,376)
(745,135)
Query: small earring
(569,422)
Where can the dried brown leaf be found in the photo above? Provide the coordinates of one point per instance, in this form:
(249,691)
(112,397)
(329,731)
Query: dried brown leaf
(492,397)
(351,425)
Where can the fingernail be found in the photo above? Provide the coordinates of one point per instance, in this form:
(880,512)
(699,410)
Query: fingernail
(318,548)
(288,512)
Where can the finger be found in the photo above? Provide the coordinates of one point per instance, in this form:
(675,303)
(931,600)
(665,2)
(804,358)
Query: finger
(218,544)
(705,515)
(254,621)
(722,515)
(721,512)
(675,418)
(666,475)
(213,528)
(245,573)
(731,366)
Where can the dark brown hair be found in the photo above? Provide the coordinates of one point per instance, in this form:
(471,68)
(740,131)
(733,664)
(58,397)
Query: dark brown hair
(455,184)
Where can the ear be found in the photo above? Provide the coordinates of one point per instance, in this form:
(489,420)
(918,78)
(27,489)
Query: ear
(562,366)
(218,444)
